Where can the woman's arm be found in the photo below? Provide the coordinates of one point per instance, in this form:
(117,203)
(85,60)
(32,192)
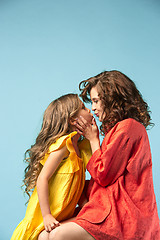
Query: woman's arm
(106,165)
(47,171)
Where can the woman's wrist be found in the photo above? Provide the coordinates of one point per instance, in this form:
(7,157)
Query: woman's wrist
(95,145)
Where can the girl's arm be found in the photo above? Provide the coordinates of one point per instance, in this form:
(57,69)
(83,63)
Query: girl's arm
(47,171)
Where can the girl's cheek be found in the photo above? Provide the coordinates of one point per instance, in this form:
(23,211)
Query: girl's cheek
(89,118)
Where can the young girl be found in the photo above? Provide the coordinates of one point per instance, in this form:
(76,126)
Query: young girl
(56,168)
(121,201)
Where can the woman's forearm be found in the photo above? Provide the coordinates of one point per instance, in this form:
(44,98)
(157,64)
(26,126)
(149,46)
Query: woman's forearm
(95,144)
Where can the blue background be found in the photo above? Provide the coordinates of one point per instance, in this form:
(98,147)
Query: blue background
(46,49)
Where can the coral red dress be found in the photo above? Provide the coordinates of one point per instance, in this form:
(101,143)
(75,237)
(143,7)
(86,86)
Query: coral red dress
(122,202)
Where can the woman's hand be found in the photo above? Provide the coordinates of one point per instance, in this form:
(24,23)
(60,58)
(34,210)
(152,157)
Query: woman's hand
(89,131)
(50,222)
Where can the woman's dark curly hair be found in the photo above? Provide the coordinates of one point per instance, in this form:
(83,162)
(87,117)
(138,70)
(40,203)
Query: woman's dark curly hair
(120,98)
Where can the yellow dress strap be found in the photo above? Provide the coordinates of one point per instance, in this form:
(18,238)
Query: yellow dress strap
(60,142)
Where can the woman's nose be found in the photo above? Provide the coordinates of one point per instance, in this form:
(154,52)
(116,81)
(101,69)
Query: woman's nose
(93,107)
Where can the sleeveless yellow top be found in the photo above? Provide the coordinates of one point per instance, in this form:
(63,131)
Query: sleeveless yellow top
(65,188)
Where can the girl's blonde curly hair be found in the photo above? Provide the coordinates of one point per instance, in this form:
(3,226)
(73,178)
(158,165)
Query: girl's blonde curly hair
(56,123)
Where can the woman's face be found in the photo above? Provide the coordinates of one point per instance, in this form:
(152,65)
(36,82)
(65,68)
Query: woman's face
(96,104)
(86,113)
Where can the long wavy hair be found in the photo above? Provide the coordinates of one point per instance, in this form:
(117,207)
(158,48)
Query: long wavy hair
(56,123)
(120,98)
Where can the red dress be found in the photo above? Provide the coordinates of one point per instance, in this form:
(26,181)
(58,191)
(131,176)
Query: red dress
(122,202)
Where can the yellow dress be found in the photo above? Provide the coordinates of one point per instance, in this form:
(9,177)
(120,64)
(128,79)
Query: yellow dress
(65,188)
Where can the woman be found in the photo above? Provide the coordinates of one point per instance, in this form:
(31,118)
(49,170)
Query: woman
(121,200)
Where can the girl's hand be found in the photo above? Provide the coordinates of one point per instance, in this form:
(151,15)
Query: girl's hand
(50,222)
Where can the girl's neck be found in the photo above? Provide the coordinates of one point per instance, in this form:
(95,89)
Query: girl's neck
(75,145)
(75,138)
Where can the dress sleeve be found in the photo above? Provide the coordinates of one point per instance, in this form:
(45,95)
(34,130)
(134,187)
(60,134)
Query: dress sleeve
(61,142)
(109,162)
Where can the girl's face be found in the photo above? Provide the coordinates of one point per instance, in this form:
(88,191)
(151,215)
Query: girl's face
(96,104)
(86,113)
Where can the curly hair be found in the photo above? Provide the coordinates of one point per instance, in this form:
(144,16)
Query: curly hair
(55,124)
(119,96)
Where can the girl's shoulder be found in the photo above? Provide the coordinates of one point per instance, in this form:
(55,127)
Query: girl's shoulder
(60,142)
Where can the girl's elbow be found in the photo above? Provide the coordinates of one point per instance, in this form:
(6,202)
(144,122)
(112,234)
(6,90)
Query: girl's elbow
(38,182)
(41,180)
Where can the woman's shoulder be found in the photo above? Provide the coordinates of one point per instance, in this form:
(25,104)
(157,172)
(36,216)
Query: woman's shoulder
(129,128)
(130,124)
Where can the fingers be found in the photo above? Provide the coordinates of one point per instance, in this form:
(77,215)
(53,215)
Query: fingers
(81,123)
(79,126)
(51,226)
(83,127)
(94,121)
(80,129)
